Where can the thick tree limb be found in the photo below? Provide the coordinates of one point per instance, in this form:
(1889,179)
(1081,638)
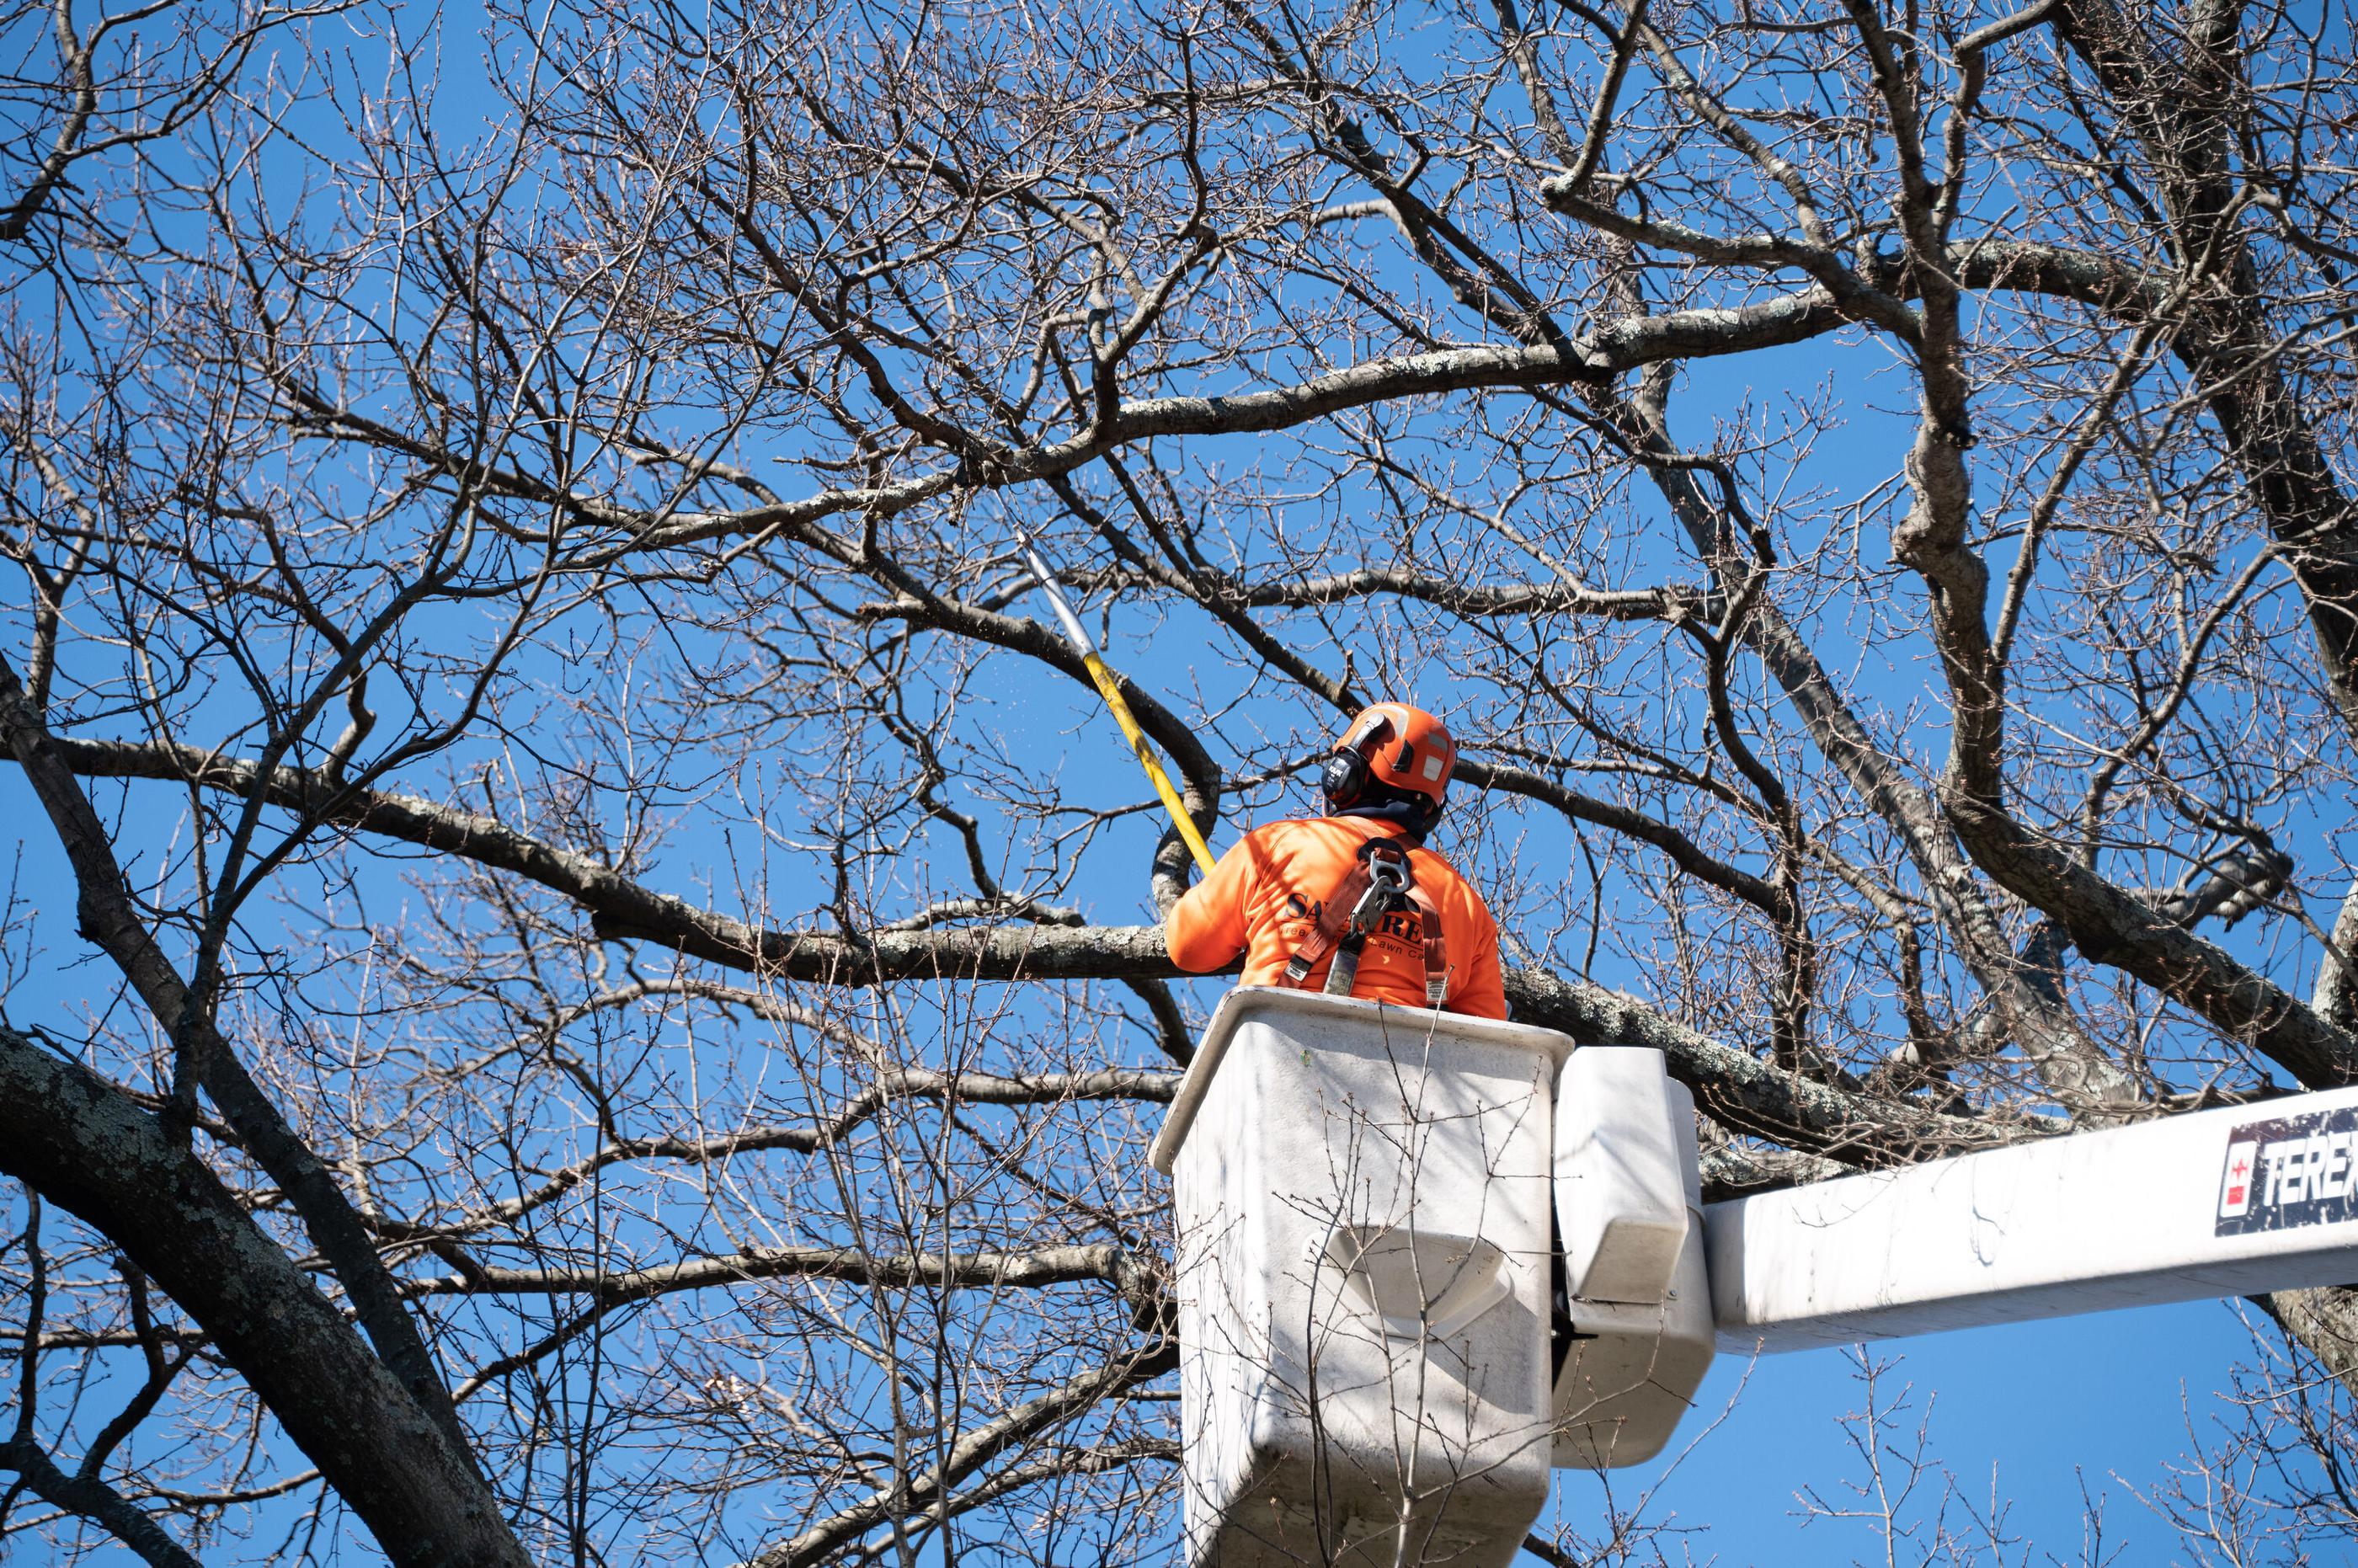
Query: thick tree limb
(85,1146)
(93,1500)
(2111,925)
(1618,347)
(1747,1093)
(1034,1269)
(2325,1321)
(2182,108)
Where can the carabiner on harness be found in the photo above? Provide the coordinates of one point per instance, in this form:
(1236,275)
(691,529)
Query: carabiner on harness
(1386,893)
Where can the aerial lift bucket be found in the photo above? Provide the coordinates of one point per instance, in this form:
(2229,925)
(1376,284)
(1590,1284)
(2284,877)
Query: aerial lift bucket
(1373,1369)
(1364,1262)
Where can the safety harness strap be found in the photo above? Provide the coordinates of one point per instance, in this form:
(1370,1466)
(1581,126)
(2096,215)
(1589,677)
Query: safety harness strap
(1334,920)
(1379,883)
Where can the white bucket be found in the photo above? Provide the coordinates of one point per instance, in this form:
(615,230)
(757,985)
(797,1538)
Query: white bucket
(1363,1198)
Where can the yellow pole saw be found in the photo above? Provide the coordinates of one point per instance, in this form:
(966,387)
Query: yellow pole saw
(1109,688)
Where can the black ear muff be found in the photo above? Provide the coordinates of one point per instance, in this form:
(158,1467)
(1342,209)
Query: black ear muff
(1343,779)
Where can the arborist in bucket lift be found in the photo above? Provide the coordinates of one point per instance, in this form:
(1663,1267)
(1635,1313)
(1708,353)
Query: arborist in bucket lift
(1352,902)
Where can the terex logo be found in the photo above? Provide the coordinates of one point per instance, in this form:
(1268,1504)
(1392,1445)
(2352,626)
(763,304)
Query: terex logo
(2297,1170)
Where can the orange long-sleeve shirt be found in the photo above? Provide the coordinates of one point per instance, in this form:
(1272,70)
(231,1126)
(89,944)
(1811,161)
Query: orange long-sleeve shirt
(1263,899)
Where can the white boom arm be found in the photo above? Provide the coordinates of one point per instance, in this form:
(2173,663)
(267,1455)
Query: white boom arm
(2219,1203)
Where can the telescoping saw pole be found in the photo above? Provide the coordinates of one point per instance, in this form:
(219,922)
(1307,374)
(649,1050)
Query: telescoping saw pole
(1112,691)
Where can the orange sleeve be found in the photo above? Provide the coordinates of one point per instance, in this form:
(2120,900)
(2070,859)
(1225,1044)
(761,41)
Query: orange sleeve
(1479,987)
(1205,930)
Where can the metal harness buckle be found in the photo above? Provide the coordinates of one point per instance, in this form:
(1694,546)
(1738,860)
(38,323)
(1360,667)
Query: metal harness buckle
(1387,882)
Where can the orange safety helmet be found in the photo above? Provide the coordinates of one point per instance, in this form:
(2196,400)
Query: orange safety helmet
(1403,748)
